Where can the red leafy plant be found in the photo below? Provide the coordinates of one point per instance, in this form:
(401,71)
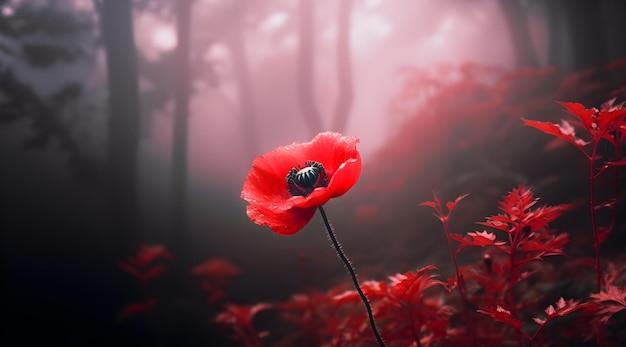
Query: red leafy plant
(137,308)
(608,125)
(145,265)
(216,275)
(238,319)
(409,307)
(319,321)
(528,239)
(436,205)
(506,294)
(412,310)
(606,306)
(508,290)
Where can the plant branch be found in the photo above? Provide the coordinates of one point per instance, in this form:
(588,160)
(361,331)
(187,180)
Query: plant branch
(594,222)
(459,278)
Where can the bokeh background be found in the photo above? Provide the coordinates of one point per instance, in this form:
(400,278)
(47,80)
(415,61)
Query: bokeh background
(130,122)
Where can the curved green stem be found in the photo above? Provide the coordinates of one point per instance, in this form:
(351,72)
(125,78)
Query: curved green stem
(346,262)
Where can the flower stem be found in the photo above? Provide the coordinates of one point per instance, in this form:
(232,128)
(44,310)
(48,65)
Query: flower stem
(346,262)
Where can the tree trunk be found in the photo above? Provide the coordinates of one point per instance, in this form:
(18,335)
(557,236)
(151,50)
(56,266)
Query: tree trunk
(245,90)
(305,80)
(557,46)
(344,68)
(615,29)
(123,125)
(523,48)
(582,34)
(586,33)
(180,160)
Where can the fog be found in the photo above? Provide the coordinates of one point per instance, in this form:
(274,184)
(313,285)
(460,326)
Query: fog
(68,218)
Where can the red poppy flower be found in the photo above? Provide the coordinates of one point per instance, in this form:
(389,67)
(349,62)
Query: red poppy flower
(287,184)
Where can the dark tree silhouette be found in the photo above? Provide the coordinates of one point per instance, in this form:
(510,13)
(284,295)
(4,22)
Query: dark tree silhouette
(39,36)
(581,33)
(179,169)
(585,30)
(116,23)
(585,33)
(344,67)
(306,67)
(517,24)
(245,90)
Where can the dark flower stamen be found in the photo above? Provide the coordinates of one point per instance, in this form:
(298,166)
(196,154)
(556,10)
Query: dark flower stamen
(302,181)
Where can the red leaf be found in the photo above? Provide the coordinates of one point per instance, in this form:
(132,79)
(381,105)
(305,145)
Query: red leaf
(372,289)
(613,273)
(560,308)
(131,270)
(603,234)
(479,239)
(152,272)
(551,245)
(141,265)
(451,204)
(240,314)
(428,204)
(239,319)
(498,222)
(148,253)
(216,268)
(137,308)
(581,112)
(502,315)
(564,131)
(436,205)
(411,284)
(608,302)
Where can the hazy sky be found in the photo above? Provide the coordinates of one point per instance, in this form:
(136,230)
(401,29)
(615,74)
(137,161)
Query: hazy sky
(386,36)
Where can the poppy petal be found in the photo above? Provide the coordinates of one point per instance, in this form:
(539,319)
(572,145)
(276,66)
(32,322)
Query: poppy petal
(286,222)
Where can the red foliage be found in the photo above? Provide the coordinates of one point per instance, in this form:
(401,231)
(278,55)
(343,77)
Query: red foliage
(564,131)
(436,205)
(459,110)
(272,201)
(137,308)
(608,123)
(529,236)
(143,265)
(216,275)
(316,315)
(417,309)
(408,311)
(609,302)
(560,308)
(478,238)
(501,315)
(238,318)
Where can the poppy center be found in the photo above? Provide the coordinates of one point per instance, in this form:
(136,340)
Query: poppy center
(303,180)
